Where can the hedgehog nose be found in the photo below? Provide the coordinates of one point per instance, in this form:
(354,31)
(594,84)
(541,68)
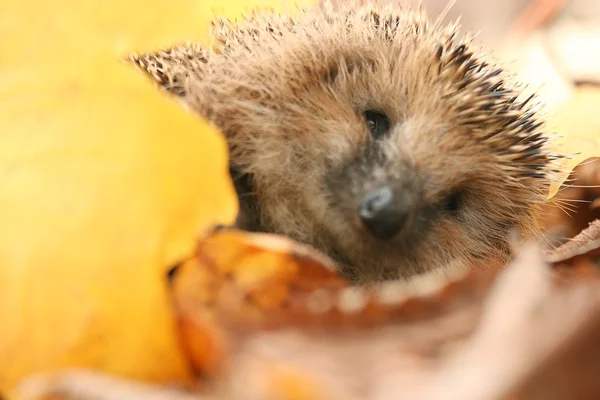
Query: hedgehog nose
(381,214)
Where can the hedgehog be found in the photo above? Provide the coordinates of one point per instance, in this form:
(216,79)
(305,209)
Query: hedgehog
(369,132)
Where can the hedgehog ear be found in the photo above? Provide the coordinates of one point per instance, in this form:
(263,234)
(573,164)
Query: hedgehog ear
(173,68)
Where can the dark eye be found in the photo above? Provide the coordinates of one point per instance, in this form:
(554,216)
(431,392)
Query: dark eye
(378,123)
(452,202)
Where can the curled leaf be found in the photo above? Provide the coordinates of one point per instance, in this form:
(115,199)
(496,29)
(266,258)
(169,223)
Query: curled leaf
(575,205)
(236,279)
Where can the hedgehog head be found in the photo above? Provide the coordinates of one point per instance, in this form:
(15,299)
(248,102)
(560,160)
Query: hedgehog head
(368,132)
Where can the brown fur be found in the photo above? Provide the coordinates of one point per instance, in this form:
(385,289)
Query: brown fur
(288,92)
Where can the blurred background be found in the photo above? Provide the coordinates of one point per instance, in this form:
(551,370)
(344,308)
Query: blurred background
(551,44)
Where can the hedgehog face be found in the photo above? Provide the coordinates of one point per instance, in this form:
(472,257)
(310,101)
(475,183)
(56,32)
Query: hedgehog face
(375,137)
(422,195)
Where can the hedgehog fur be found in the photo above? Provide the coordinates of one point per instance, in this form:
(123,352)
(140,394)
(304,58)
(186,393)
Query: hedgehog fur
(464,150)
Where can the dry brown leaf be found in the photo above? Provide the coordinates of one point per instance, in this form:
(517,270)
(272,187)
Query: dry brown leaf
(584,244)
(453,355)
(236,278)
(575,205)
(466,340)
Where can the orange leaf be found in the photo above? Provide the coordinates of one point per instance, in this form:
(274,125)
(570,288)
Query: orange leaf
(238,280)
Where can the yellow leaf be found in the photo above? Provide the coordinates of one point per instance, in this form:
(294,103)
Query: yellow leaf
(578,122)
(100,193)
(104,183)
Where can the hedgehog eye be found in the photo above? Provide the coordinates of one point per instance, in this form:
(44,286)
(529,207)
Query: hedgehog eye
(378,123)
(452,202)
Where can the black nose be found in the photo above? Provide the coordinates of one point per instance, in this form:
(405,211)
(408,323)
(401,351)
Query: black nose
(381,214)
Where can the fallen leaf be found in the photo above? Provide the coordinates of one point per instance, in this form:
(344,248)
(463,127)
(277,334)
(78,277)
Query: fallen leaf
(470,339)
(578,123)
(491,347)
(575,205)
(585,242)
(105,184)
(236,279)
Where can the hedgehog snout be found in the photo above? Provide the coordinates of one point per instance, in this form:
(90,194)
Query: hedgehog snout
(385,213)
